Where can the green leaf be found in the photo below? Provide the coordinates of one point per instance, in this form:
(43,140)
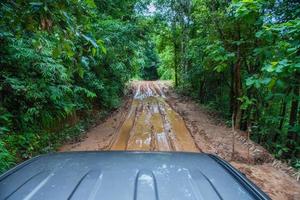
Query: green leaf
(90,3)
(56,52)
(103,49)
(84,61)
(94,51)
(221,67)
(68,49)
(91,40)
(36,44)
(250,81)
(272,84)
(266,81)
(36,3)
(80,72)
(101,44)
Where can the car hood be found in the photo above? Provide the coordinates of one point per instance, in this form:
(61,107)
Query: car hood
(126,176)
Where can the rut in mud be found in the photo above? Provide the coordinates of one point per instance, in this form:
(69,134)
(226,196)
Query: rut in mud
(151,124)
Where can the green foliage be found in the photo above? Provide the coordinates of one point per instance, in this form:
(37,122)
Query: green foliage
(241,56)
(60,59)
(165,69)
(217,56)
(6,158)
(148,68)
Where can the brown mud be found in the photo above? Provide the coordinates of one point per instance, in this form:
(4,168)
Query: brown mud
(157,119)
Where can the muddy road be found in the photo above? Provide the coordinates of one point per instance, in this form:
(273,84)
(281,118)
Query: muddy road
(151,124)
(146,122)
(154,118)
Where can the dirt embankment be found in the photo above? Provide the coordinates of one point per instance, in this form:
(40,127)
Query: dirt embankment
(157,119)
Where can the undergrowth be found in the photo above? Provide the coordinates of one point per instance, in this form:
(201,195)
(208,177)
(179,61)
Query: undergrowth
(17,147)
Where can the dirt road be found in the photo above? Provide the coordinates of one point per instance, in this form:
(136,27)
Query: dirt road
(151,124)
(157,119)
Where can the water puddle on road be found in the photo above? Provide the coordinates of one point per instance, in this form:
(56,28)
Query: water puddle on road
(151,124)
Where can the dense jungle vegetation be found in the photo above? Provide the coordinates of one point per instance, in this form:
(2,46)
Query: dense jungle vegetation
(65,62)
(240,57)
(62,61)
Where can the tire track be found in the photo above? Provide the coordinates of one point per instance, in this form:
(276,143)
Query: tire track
(151,124)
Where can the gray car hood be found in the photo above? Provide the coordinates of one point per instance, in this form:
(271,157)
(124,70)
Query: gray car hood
(126,176)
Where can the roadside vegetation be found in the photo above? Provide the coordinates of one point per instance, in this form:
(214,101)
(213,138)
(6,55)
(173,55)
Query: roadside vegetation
(65,62)
(61,62)
(240,58)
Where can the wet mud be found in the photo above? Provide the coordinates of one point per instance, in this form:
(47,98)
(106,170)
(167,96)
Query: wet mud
(151,123)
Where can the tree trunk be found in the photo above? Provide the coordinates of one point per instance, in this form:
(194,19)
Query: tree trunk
(238,83)
(293,137)
(282,114)
(201,91)
(283,109)
(238,94)
(232,96)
